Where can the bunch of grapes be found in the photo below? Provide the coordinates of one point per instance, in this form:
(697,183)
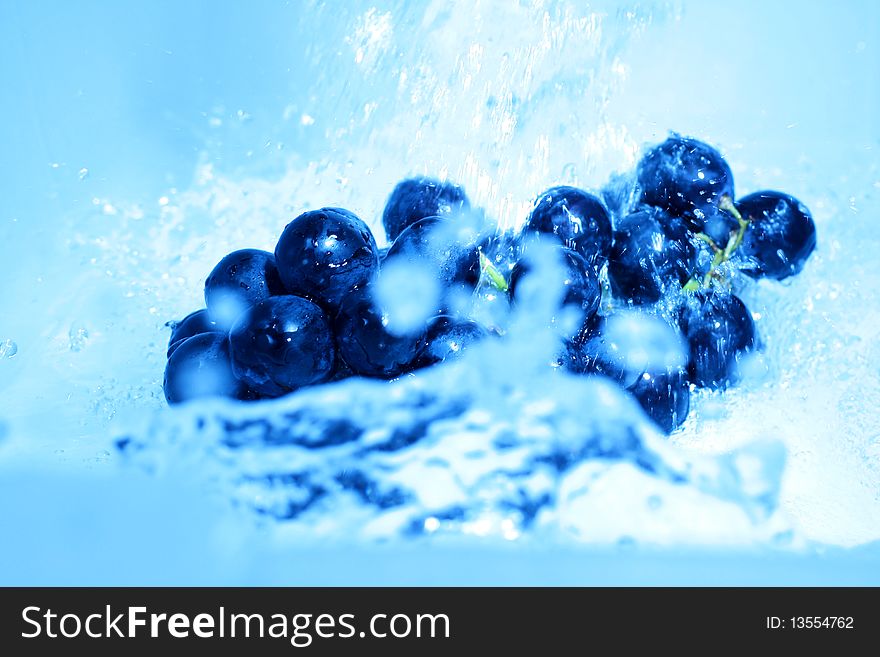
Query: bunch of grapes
(673,246)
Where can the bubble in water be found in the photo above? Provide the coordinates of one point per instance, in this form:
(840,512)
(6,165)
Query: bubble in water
(409,293)
(540,292)
(79,336)
(753,369)
(645,343)
(8,349)
(226,308)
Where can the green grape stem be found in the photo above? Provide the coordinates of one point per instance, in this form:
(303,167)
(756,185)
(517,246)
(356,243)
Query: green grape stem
(490,272)
(727,205)
(721,255)
(708,240)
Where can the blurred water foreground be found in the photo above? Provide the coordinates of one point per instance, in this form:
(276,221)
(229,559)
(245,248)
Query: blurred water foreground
(139,154)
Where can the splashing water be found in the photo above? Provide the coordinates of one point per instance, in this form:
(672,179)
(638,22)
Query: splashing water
(473,447)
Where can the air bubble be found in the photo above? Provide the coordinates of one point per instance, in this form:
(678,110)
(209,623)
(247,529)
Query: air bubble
(78,336)
(8,349)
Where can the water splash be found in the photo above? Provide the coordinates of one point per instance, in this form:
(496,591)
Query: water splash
(470,448)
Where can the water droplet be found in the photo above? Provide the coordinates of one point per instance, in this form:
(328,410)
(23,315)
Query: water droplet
(626,542)
(8,349)
(79,336)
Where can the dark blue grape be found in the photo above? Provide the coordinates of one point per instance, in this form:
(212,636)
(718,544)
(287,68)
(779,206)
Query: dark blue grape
(590,352)
(417,198)
(448,337)
(620,194)
(325,255)
(570,357)
(664,396)
(651,254)
(451,251)
(780,237)
(574,358)
(683,175)
(240,280)
(719,330)
(578,219)
(341,372)
(582,289)
(281,344)
(200,367)
(193,324)
(366,345)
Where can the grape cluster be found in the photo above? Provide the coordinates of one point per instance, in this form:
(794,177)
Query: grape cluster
(673,246)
